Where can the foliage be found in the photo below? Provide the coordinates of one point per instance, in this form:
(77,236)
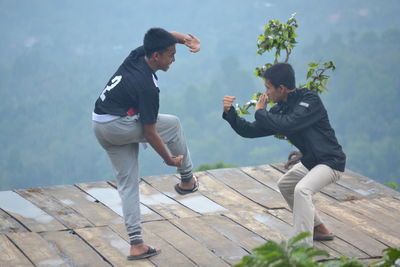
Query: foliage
(391,257)
(292,253)
(282,36)
(392,185)
(343,262)
(316,79)
(218,165)
(49,87)
(299,254)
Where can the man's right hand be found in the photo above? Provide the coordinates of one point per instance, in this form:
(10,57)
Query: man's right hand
(228,101)
(175,161)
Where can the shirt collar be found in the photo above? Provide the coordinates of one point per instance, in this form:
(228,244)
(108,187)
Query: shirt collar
(291,99)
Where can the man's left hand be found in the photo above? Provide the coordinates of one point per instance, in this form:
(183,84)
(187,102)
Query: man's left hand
(262,102)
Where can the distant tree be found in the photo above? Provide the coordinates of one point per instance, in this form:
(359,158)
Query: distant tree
(282,37)
(218,165)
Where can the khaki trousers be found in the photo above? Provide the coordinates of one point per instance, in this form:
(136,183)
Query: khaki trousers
(297,187)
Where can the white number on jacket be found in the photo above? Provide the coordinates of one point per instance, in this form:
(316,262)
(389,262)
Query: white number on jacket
(114,83)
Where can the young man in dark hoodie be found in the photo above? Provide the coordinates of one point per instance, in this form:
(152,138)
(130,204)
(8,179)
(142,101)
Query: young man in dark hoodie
(126,114)
(300,116)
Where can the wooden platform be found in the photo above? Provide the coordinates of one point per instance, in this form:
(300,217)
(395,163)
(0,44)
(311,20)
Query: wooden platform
(235,211)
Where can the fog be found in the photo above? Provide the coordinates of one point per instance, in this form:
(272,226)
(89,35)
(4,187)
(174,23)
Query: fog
(57,56)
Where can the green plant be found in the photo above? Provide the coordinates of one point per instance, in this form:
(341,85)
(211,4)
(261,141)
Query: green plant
(291,253)
(299,254)
(391,257)
(218,165)
(343,262)
(282,37)
(392,185)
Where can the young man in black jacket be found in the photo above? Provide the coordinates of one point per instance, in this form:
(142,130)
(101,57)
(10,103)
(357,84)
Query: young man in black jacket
(126,114)
(300,116)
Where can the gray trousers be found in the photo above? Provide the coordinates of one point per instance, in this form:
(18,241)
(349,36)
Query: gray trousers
(121,138)
(297,187)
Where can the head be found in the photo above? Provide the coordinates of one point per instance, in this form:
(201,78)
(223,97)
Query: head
(159,46)
(279,81)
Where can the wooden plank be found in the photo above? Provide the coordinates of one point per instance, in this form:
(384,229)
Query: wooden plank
(9,225)
(110,245)
(27,213)
(353,235)
(336,247)
(262,224)
(73,249)
(358,221)
(279,167)
(224,195)
(349,241)
(234,231)
(265,174)
(109,196)
(167,207)
(365,186)
(249,187)
(95,212)
(11,255)
(38,250)
(263,229)
(390,202)
(341,193)
(197,253)
(194,201)
(64,214)
(376,214)
(211,239)
(169,254)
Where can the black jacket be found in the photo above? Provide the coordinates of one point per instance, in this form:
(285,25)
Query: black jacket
(303,119)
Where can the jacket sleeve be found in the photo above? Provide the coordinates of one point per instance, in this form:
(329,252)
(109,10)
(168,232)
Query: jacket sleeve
(243,127)
(308,111)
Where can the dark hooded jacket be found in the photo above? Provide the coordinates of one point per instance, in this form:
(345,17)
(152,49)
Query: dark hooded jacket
(304,120)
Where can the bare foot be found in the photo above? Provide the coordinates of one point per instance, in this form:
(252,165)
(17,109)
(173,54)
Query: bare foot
(321,230)
(140,249)
(189,185)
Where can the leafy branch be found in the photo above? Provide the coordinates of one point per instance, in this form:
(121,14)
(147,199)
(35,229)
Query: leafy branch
(282,37)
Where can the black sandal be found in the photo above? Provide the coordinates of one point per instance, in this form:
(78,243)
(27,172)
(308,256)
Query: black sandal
(150,252)
(182,191)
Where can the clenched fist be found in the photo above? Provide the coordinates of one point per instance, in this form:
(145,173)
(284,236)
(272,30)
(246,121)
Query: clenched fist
(228,101)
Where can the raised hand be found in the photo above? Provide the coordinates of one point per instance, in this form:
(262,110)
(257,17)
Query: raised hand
(192,42)
(227,102)
(262,102)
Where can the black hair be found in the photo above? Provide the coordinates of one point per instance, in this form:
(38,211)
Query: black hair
(156,40)
(281,74)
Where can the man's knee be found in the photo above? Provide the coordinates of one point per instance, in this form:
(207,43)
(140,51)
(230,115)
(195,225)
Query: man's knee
(302,190)
(284,185)
(171,120)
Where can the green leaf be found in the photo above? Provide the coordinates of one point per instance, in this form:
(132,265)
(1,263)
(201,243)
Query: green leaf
(297,238)
(313,65)
(310,73)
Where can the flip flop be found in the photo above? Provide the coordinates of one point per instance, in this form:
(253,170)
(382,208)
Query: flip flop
(324,237)
(187,191)
(150,252)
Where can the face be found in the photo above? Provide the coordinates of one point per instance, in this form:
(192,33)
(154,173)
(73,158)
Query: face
(275,94)
(165,58)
